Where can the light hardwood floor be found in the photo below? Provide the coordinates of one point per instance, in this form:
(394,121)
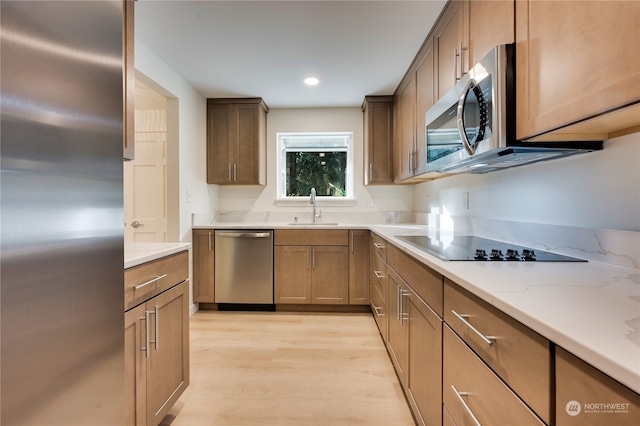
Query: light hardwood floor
(276,368)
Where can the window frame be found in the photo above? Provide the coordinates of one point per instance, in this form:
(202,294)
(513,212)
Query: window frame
(281,173)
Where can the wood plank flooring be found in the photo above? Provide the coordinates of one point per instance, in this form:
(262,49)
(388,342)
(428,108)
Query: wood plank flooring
(275,368)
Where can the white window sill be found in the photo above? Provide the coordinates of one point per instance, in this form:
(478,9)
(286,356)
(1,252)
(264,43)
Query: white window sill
(320,201)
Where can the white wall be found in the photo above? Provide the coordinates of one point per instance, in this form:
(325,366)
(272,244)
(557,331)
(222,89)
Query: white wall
(371,199)
(186,115)
(598,190)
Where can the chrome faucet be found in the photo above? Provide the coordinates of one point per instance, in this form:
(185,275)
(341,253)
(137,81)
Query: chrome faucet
(312,200)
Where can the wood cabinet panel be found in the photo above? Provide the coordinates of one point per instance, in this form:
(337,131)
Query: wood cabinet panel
(582,393)
(378,139)
(308,237)
(292,274)
(236,141)
(405,133)
(397,333)
(203,266)
(359,267)
(424,100)
(450,36)
(575,60)
(424,280)
(330,275)
(424,375)
(152,278)
(491,22)
(379,246)
(485,395)
(135,367)
(379,276)
(380,311)
(129,79)
(521,357)
(168,361)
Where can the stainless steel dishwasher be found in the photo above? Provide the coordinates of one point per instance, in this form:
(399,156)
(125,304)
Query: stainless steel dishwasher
(244,267)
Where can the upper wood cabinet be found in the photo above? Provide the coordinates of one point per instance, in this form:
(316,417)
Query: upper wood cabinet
(577,60)
(236,141)
(378,139)
(451,43)
(491,22)
(128,79)
(405,132)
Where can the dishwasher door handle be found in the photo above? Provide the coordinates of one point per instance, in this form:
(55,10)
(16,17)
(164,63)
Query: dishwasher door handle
(244,234)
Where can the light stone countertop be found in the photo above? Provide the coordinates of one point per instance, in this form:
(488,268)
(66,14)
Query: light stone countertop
(138,253)
(591,309)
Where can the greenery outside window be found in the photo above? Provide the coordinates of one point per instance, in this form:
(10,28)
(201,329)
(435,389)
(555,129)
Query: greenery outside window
(315,160)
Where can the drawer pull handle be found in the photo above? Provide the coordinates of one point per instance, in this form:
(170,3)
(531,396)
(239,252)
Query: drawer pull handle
(487,339)
(377,310)
(378,246)
(151,281)
(378,274)
(464,404)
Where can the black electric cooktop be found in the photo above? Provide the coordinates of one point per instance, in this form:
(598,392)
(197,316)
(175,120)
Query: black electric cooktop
(468,247)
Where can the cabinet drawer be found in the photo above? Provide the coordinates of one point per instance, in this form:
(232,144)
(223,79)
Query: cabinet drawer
(422,279)
(585,396)
(380,311)
(520,356)
(379,276)
(145,281)
(471,388)
(311,237)
(379,246)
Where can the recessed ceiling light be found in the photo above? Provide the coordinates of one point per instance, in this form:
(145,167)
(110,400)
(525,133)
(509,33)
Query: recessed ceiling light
(311,81)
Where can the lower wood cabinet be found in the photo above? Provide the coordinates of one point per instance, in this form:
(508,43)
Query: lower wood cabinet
(473,394)
(203,265)
(311,274)
(397,332)
(358,267)
(424,373)
(156,354)
(585,396)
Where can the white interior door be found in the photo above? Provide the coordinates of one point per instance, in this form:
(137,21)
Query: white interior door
(145,187)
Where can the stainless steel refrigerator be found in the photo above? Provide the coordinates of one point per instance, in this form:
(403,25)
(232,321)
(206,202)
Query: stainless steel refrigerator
(61,213)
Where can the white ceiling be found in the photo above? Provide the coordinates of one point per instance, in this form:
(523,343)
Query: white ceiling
(266,48)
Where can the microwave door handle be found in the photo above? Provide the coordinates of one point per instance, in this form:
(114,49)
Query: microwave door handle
(460,114)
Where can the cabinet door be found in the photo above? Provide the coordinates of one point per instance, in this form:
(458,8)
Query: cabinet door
(424,375)
(330,275)
(424,101)
(397,331)
(135,367)
(575,60)
(292,274)
(378,137)
(219,144)
(168,361)
(491,22)
(245,134)
(203,264)
(358,267)
(450,44)
(404,149)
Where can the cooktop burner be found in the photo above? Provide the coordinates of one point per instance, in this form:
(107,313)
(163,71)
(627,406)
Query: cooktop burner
(468,247)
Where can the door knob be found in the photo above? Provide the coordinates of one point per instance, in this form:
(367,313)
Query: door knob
(136,224)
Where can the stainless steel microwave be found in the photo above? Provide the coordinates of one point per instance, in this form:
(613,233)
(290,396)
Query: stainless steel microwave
(471,129)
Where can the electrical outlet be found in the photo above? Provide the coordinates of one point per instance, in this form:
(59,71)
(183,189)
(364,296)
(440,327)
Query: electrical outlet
(189,197)
(466,200)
